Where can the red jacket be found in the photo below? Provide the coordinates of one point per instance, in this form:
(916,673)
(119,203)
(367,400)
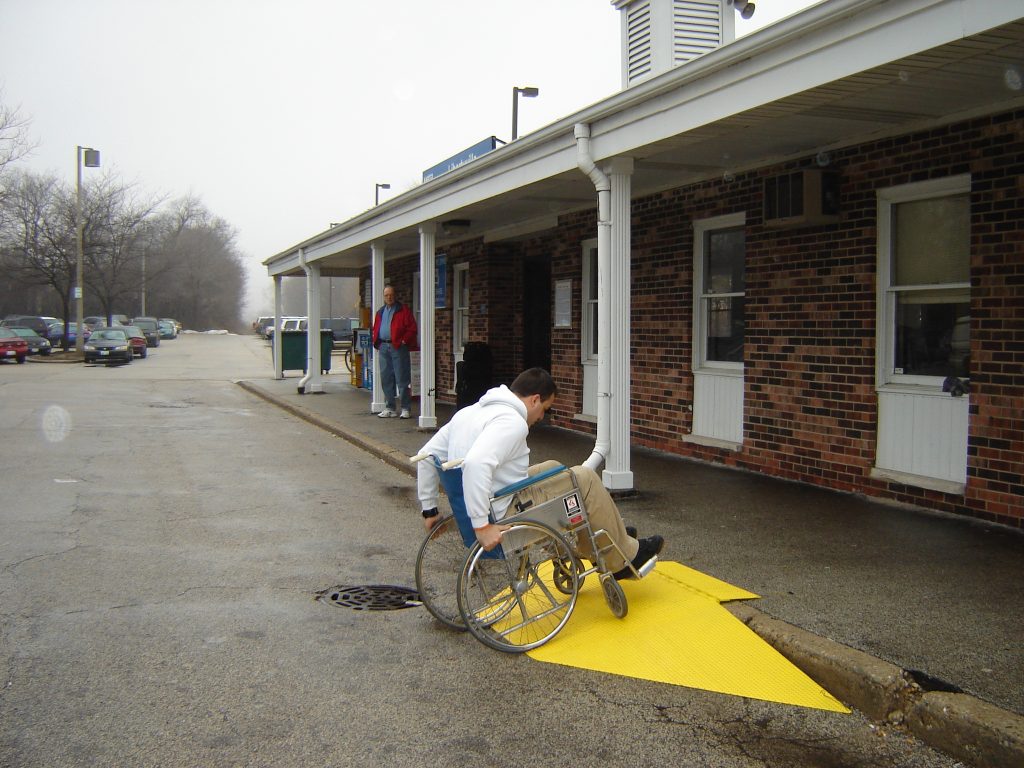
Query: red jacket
(403,327)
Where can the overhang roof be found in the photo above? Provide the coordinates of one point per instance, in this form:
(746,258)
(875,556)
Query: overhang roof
(841,72)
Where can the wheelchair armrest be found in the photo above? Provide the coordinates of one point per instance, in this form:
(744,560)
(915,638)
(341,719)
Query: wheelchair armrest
(527,482)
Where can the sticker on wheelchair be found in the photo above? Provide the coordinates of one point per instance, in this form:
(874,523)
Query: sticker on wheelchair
(573,510)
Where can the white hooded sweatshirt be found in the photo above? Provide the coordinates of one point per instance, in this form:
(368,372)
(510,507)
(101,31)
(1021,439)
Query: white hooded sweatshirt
(490,438)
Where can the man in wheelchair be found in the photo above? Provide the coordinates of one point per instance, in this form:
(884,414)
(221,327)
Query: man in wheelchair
(490,438)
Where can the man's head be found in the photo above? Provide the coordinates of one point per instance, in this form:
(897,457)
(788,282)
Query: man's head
(389,295)
(537,390)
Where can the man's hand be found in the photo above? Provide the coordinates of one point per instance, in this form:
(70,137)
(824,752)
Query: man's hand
(490,535)
(430,522)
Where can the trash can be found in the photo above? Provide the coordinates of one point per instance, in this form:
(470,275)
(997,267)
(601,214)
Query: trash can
(473,374)
(293,350)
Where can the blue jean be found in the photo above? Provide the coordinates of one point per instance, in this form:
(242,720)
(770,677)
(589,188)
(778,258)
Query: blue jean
(394,375)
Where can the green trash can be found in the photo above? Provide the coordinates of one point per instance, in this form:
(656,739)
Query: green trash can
(293,350)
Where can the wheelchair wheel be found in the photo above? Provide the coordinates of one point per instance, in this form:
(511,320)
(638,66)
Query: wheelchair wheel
(441,557)
(614,596)
(511,602)
(562,574)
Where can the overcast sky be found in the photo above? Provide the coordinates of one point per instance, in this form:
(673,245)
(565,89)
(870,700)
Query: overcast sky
(282,115)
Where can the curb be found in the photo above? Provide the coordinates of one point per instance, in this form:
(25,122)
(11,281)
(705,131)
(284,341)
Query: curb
(960,725)
(967,728)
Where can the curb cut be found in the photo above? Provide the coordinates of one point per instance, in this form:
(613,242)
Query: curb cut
(958,724)
(967,728)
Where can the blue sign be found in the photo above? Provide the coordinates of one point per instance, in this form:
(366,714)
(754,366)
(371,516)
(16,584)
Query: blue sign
(465,156)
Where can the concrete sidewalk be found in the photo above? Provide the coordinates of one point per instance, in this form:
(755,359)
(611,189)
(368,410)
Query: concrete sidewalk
(909,616)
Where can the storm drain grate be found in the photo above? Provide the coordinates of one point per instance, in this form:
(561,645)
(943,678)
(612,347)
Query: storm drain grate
(370,597)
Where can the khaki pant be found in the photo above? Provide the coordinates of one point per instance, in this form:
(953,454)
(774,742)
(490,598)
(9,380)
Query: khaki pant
(600,508)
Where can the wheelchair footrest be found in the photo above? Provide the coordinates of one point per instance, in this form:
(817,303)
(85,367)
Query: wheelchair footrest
(647,567)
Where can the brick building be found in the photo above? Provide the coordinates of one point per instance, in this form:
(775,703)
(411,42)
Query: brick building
(807,262)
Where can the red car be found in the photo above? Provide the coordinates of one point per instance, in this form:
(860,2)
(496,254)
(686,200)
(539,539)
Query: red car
(136,338)
(12,346)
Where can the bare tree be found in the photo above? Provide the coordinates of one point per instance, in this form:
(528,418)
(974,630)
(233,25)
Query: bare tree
(38,236)
(15,142)
(202,278)
(118,226)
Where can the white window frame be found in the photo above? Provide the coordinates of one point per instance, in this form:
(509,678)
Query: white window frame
(460,274)
(701,229)
(588,321)
(887,295)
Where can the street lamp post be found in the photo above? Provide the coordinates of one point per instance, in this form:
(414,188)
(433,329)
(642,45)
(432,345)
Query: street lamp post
(528,92)
(376,192)
(92,160)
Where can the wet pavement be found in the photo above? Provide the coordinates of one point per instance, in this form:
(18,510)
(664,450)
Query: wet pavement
(908,615)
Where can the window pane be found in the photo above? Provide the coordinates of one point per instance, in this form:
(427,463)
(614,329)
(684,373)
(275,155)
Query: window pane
(931,241)
(723,270)
(932,338)
(724,321)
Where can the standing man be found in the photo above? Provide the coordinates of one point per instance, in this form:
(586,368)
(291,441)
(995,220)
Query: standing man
(394,334)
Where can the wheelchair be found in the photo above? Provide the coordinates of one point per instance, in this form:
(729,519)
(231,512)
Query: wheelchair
(519,595)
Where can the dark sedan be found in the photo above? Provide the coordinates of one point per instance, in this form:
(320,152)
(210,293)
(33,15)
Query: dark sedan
(37,345)
(136,338)
(148,325)
(108,345)
(12,346)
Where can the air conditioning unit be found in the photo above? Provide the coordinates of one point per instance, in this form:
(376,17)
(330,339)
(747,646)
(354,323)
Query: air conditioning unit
(801,199)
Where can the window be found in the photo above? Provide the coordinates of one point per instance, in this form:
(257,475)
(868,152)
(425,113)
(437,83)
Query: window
(460,308)
(589,302)
(720,291)
(924,282)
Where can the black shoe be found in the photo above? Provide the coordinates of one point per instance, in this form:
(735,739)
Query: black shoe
(649,547)
(631,531)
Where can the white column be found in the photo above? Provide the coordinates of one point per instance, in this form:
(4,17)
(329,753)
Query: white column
(313,382)
(377,403)
(278,359)
(617,474)
(428,384)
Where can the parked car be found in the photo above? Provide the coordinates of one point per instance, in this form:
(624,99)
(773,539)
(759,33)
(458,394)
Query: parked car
(167,329)
(108,345)
(56,333)
(137,339)
(12,346)
(35,322)
(37,345)
(149,326)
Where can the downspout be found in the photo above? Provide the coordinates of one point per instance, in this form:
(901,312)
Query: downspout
(312,329)
(604,239)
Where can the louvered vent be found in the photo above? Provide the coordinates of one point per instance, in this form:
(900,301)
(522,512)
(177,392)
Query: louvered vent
(658,35)
(638,42)
(696,29)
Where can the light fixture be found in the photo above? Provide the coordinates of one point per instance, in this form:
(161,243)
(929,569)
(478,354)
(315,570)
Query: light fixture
(529,92)
(743,8)
(376,192)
